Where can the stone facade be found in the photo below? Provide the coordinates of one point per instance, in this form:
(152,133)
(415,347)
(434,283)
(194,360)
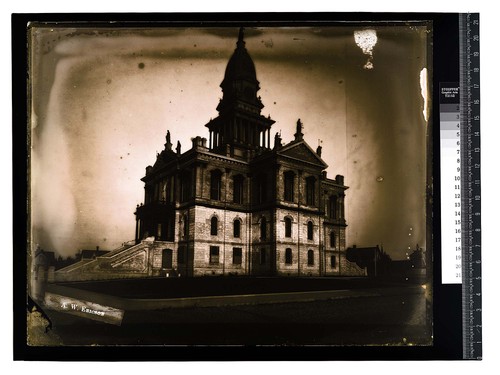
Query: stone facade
(234,205)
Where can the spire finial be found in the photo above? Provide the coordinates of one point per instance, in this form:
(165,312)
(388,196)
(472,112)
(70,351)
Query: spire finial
(298,133)
(241,35)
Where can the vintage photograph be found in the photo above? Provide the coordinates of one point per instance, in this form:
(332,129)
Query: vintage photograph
(230,185)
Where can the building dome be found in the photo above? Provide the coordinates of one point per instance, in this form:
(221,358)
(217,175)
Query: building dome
(240,65)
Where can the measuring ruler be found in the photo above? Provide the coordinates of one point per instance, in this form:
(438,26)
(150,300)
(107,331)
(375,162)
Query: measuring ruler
(470,185)
(460,184)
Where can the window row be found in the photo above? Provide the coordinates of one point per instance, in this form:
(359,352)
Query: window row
(164,191)
(214,255)
(289,257)
(214,227)
(167,255)
(216,185)
(310,258)
(237,255)
(288,228)
(310,231)
(335,207)
(289,193)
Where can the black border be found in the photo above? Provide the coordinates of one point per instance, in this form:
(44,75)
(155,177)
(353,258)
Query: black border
(447,299)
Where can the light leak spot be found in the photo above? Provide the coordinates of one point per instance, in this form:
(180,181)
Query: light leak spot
(424,91)
(366,40)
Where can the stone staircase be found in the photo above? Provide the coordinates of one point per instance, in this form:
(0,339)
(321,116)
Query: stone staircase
(129,260)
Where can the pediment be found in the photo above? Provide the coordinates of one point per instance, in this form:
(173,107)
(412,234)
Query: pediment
(301,151)
(163,159)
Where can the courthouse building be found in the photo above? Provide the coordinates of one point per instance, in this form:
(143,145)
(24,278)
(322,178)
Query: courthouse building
(234,204)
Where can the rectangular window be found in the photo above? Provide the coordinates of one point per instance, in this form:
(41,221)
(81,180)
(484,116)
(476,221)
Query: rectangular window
(263,228)
(166,258)
(237,255)
(185,228)
(185,186)
(332,207)
(214,254)
(288,227)
(310,190)
(289,179)
(170,226)
(238,189)
(262,256)
(333,261)
(262,189)
(164,191)
(215,184)
(288,256)
(171,187)
(181,255)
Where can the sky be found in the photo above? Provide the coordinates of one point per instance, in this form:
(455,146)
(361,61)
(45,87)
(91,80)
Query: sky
(489,164)
(103,100)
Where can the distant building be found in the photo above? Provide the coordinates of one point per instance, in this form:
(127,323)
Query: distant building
(86,255)
(42,271)
(233,204)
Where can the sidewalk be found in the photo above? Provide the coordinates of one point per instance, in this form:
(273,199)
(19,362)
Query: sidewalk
(133,304)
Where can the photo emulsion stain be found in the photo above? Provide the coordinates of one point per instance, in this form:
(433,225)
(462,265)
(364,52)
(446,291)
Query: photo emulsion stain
(249,180)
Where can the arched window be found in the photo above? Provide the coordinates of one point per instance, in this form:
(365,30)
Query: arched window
(309,230)
(236,228)
(215,184)
(310,258)
(166,258)
(288,227)
(213,226)
(263,228)
(332,239)
(288,256)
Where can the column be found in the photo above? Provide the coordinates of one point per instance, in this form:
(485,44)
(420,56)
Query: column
(137,229)
(268,138)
